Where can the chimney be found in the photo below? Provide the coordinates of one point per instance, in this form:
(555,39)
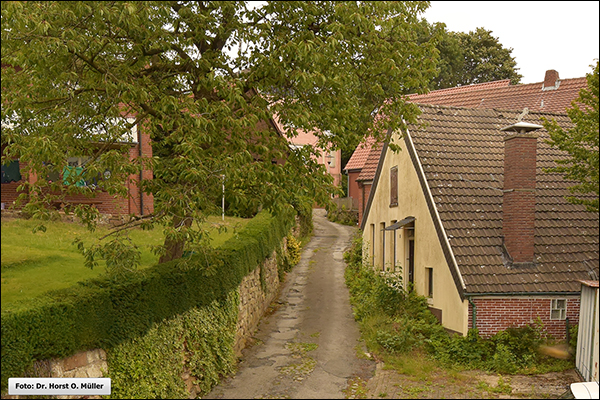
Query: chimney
(518,201)
(551,80)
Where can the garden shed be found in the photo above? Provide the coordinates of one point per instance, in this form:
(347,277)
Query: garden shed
(586,359)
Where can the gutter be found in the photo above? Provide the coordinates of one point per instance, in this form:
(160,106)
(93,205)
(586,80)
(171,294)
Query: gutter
(474,323)
(515,294)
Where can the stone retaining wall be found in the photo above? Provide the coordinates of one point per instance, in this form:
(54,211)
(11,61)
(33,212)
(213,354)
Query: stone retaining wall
(254,301)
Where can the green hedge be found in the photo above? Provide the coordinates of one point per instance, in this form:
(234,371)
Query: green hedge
(198,343)
(102,313)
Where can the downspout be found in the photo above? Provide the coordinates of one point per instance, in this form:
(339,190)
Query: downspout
(474,311)
(141,174)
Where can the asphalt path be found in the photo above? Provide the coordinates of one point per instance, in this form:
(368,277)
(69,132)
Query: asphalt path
(308,346)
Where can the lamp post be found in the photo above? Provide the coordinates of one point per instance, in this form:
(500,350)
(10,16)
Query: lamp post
(223,199)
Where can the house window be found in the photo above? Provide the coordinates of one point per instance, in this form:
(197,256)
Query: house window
(76,167)
(429,273)
(11,172)
(394,186)
(558,309)
(330,158)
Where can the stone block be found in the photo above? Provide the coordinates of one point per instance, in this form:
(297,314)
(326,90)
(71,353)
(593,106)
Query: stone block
(75,361)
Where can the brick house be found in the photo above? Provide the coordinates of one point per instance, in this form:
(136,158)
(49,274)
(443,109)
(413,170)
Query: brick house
(467,215)
(551,95)
(136,202)
(139,143)
(330,158)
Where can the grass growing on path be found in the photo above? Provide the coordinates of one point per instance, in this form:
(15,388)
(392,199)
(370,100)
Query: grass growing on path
(34,263)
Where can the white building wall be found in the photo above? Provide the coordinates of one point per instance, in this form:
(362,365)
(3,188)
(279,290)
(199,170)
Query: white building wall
(427,247)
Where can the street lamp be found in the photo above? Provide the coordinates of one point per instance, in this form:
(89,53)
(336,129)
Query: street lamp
(223,200)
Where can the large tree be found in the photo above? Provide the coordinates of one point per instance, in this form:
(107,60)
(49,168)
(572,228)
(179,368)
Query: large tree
(468,58)
(199,76)
(581,144)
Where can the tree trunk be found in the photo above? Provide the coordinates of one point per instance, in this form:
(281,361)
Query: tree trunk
(175,247)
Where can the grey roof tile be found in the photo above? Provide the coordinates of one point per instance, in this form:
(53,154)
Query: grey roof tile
(461,152)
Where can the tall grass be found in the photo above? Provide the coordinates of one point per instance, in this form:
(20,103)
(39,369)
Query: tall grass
(34,263)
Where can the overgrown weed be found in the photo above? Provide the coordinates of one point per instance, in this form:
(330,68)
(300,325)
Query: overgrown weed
(398,327)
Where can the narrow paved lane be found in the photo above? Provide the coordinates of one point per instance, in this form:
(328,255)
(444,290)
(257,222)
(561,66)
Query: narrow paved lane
(307,348)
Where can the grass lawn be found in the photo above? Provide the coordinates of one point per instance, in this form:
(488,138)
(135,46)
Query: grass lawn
(34,263)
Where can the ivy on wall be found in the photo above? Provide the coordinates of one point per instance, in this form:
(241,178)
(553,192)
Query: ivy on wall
(198,343)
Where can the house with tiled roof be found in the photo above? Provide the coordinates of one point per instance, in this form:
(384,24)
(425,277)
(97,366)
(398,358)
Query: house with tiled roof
(466,216)
(551,95)
(330,158)
(358,190)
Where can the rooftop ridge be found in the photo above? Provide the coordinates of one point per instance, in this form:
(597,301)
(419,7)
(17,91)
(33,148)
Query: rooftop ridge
(500,110)
(485,86)
(466,88)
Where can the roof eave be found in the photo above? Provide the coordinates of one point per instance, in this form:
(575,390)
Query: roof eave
(437,221)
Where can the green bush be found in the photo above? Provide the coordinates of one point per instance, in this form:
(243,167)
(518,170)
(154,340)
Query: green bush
(342,216)
(395,321)
(104,313)
(199,341)
(293,248)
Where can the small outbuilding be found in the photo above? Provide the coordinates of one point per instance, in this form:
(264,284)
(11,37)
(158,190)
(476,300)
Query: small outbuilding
(586,359)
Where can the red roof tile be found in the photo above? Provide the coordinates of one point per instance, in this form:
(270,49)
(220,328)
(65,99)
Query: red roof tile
(370,167)
(496,95)
(360,155)
(507,97)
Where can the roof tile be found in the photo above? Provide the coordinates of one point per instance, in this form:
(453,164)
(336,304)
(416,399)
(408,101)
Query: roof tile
(462,157)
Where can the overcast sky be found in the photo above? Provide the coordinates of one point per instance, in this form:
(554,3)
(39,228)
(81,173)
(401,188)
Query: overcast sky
(560,35)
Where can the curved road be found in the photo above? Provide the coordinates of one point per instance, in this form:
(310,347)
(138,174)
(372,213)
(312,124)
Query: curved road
(307,348)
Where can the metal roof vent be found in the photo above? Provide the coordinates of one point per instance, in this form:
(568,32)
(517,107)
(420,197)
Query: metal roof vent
(521,127)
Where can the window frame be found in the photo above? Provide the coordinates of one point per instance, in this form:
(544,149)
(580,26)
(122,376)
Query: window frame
(554,308)
(394,186)
(429,274)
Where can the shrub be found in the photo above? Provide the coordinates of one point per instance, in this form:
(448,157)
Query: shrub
(293,249)
(342,216)
(394,321)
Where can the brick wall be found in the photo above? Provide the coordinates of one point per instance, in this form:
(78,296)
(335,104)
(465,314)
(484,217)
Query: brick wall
(496,314)
(9,193)
(353,190)
(106,203)
(363,199)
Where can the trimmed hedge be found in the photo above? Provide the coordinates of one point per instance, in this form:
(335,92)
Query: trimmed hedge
(102,313)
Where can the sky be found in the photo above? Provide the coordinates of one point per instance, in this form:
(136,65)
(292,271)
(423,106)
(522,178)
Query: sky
(559,35)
